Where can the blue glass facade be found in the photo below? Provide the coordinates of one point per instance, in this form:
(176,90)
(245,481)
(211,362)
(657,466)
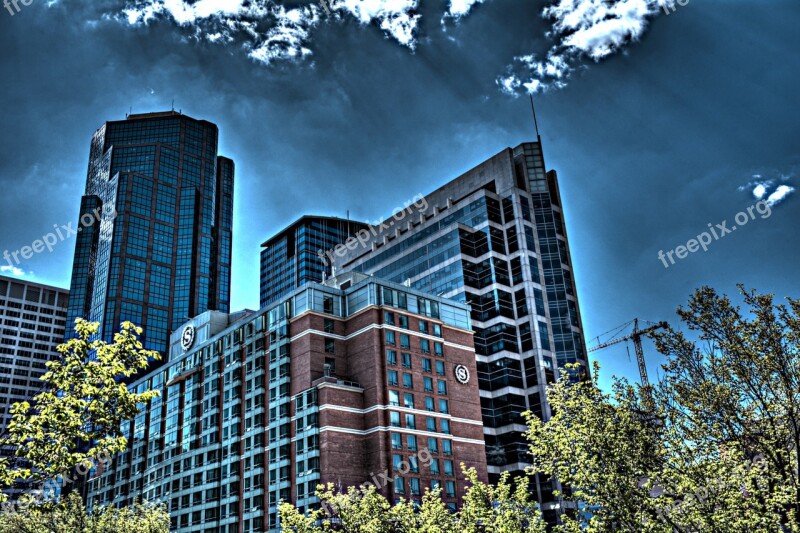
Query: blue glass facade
(495,239)
(297,255)
(160,247)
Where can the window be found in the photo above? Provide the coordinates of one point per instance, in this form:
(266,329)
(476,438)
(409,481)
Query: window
(443,407)
(448,467)
(438,349)
(437,330)
(408,381)
(330,365)
(394,398)
(447,447)
(411,442)
(423,327)
(330,346)
(434,467)
(406,360)
(399,485)
(413,463)
(411,421)
(328,326)
(425,345)
(403,321)
(440,368)
(433,445)
(391,357)
(429,404)
(450,489)
(393,378)
(430,423)
(441,386)
(396,460)
(405,341)
(414,486)
(445,424)
(388,317)
(408,400)
(390,338)
(428,383)
(394,419)
(397,441)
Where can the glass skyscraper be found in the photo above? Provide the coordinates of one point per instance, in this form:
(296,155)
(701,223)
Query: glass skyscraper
(159,250)
(302,253)
(495,238)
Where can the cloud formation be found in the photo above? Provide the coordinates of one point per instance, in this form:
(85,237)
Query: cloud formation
(270,31)
(14,271)
(770,190)
(582,29)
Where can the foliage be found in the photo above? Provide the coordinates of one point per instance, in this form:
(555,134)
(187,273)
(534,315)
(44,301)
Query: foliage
(79,414)
(501,509)
(70,516)
(712,447)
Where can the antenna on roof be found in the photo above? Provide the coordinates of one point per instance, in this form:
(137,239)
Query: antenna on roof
(535,122)
(173,104)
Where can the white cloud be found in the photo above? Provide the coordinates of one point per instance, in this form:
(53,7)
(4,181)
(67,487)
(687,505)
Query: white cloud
(14,271)
(459,9)
(764,189)
(270,31)
(581,29)
(780,194)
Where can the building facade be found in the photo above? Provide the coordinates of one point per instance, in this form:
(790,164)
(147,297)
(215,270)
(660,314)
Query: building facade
(33,317)
(494,238)
(353,381)
(297,255)
(154,239)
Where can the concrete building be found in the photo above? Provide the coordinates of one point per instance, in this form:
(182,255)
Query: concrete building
(494,238)
(33,317)
(154,243)
(352,381)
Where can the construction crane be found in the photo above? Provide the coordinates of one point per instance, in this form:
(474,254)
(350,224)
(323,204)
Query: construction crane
(636,336)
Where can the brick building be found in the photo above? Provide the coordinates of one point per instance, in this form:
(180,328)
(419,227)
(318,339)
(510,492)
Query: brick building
(352,381)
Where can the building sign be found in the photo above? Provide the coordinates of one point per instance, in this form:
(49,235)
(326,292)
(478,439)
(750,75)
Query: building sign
(187,337)
(462,374)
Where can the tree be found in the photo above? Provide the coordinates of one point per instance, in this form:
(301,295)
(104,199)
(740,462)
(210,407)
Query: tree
(712,447)
(79,414)
(501,509)
(69,516)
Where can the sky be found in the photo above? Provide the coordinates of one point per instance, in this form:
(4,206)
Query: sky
(660,119)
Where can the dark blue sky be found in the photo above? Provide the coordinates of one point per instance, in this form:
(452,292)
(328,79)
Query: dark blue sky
(651,144)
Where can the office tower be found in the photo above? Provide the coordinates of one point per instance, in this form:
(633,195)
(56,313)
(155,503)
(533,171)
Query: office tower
(494,238)
(353,381)
(159,249)
(33,317)
(302,253)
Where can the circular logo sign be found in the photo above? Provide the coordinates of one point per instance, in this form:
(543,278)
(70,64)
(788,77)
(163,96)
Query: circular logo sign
(187,337)
(462,374)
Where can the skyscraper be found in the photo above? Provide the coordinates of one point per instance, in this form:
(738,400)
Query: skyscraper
(161,250)
(495,238)
(33,318)
(302,253)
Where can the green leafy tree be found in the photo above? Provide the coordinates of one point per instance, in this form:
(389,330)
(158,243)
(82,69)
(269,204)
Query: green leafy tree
(712,447)
(84,402)
(485,508)
(69,516)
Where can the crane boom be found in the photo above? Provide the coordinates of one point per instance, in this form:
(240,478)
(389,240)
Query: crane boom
(635,336)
